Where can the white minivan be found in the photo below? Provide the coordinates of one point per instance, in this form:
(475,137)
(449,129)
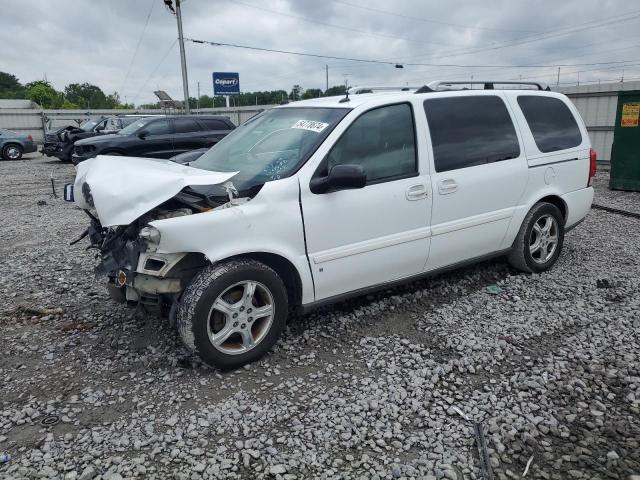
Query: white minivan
(312,202)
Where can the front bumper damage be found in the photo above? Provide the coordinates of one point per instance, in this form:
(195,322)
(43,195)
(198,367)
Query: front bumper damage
(127,194)
(134,273)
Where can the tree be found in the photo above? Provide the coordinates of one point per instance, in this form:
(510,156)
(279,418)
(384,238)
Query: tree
(10,86)
(296,93)
(44,94)
(88,96)
(312,93)
(335,90)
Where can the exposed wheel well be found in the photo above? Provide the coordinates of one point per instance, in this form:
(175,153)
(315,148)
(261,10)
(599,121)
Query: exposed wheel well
(558,202)
(113,150)
(285,269)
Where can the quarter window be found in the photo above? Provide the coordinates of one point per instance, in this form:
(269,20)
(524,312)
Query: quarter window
(470,131)
(551,122)
(159,127)
(382,141)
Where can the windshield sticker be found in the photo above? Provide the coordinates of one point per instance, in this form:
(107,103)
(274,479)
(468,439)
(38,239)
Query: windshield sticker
(310,125)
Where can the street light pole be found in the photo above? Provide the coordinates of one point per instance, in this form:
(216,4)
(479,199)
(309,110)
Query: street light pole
(183,60)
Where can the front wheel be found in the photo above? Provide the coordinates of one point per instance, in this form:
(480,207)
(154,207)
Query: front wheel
(232,313)
(540,239)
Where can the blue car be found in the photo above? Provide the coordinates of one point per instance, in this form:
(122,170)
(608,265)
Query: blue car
(13,144)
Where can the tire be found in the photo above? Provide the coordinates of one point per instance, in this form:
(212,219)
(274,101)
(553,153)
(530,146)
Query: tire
(12,151)
(540,239)
(230,322)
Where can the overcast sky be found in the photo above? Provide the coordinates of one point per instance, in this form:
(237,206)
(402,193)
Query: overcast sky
(95,41)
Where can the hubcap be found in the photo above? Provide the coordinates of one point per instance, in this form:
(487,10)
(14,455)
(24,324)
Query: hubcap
(240,317)
(544,239)
(13,153)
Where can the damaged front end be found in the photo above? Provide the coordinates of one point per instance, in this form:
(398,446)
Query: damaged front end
(127,194)
(128,258)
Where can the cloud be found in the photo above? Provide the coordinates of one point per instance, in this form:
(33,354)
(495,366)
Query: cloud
(93,41)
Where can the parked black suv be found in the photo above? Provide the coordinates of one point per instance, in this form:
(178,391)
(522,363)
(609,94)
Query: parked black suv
(157,137)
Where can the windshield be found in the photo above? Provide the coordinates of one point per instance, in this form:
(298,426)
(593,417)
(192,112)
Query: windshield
(271,145)
(131,128)
(88,125)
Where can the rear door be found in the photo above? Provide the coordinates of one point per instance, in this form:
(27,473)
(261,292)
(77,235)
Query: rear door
(157,143)
(188,135)
(215,129)
(479,174)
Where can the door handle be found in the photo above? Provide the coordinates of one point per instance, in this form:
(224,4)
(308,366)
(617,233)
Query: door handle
(447,185)
(417,192)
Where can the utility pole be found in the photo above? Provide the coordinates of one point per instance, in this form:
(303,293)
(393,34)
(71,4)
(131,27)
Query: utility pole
(183,60)
(558,80)
(326,67)
(198,103)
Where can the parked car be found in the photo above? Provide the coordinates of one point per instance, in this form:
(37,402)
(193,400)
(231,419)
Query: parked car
(188,157)
(319,200)
(60,143)
(157,137)
(14,144)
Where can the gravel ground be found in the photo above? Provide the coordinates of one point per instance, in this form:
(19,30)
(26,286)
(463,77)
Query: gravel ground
(629,201)
(374,388)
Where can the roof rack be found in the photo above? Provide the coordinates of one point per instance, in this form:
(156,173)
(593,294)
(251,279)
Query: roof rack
(488,84)
(370,89)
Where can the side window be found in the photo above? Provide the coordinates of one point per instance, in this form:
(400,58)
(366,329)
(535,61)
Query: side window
(382,141)
(551,122)
(185,125)
(159,127)
(470,131)
(213,124)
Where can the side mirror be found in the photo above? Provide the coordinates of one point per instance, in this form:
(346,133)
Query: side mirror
(143,134)
(341,177)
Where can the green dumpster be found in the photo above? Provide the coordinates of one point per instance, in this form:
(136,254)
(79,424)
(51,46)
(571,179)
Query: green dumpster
(625,152)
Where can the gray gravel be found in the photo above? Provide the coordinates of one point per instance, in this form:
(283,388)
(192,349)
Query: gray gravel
(377,387)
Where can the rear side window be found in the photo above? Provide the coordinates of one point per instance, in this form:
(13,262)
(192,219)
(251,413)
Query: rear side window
(470,131)
(382,140)
(551,122)
(159,127)
(213,124)
(185,125)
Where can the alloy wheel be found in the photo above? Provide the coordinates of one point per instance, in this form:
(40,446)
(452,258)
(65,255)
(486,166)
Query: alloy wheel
(240,317)
(543,241)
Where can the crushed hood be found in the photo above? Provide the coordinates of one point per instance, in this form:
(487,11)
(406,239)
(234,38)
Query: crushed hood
(122,189)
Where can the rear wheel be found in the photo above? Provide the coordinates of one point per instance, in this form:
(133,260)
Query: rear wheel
(12,152)
(540,239)
(232,313)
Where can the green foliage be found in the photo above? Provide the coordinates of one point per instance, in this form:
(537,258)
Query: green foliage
(44,94)
(311,93)
(335,90)
(296,93)
(10,86)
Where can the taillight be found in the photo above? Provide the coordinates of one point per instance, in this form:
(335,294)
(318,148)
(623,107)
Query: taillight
(593,167)
(30,138)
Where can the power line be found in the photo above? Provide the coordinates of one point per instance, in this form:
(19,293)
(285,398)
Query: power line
(538,37)
(425,20)
(153,72)
(126,77)
(383,62)
(365,32)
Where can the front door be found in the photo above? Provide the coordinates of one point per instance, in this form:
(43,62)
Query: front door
(479,175)
(158,141)
(379,233)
